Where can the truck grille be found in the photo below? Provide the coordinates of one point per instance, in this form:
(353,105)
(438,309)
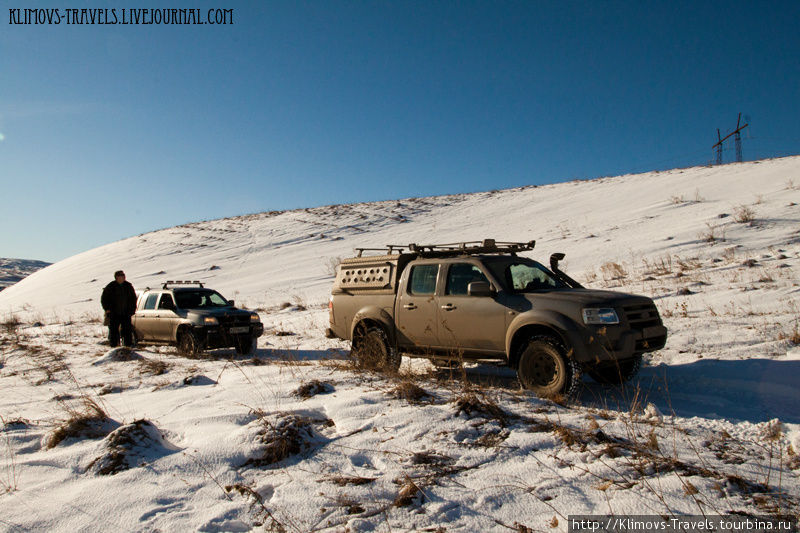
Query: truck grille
(642,316)
(233,321)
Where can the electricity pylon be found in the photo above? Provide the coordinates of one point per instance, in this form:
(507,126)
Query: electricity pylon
(737,139)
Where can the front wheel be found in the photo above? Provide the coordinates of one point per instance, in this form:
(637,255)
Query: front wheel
(545,369)
(245,345)
(189,345)
(373,351)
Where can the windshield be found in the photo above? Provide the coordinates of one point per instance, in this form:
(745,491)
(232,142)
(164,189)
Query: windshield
(525,276)
(199,299)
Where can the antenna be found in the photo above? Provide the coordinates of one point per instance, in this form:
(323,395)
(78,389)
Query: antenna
(737,139)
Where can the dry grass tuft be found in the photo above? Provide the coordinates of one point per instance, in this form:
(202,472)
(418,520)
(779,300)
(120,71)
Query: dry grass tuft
(613,271)
(90,422)
(744,214)
(652,441)
(312,388)
(409,391)
(152,367)
(333,265)
(409,494)
(343,481)
(492,439)
(289,435)
(792,336)
(567,436)
(11,324)
(712,234)
(430,458)
(122,445)
(471,405)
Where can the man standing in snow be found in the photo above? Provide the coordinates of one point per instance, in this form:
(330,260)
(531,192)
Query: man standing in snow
(119,303)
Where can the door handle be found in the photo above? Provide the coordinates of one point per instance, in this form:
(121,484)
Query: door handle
(448,307)
(409,306)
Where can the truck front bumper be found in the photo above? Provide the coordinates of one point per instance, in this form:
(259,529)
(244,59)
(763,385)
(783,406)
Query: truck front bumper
(226,337)
(616,344)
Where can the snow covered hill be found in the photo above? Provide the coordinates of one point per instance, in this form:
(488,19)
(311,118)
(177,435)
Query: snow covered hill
(267,258)
(13,270)
(95,440)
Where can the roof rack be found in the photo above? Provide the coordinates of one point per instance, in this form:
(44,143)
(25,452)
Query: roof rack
(486,246)
(182,283)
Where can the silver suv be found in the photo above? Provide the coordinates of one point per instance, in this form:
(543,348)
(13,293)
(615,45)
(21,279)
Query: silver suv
(193,318)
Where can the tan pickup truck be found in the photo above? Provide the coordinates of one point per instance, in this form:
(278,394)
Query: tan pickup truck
(483,301)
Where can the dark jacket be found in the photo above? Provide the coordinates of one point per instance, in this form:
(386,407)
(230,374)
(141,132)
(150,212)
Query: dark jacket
(119,298)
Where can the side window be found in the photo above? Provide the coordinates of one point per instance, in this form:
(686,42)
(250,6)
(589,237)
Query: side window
(166,302)
(460,276)
(150,303)
(422,279)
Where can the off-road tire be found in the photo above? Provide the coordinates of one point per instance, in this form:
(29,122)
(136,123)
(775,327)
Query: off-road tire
(373,351)
(545,369)
(617,373)
(245,345)
(189,345)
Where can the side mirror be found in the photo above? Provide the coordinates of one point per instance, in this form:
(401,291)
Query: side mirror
(480,288)
(231,303)
(554,259)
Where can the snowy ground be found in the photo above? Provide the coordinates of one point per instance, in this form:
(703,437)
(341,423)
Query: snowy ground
(224,443)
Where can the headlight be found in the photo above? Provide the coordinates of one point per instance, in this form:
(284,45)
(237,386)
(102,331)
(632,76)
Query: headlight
(254,317)
(210,321)
(601,315)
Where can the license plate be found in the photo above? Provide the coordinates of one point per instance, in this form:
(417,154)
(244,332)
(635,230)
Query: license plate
(241,329)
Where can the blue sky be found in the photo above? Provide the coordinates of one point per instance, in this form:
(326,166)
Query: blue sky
(109,131)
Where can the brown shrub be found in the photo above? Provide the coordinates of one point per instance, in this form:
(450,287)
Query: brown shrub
(91,422)
(312,388)
(744,214)
(410,391)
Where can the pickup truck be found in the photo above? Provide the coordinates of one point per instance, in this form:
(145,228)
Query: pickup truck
(193,318)
(482,301)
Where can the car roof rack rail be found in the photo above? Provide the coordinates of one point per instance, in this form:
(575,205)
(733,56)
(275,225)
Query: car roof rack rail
(486,246)
(200,283)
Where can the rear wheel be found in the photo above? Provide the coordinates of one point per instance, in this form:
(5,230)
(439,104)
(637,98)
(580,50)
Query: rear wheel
(545,369)
(617,372)
(373,351)
(189,345)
